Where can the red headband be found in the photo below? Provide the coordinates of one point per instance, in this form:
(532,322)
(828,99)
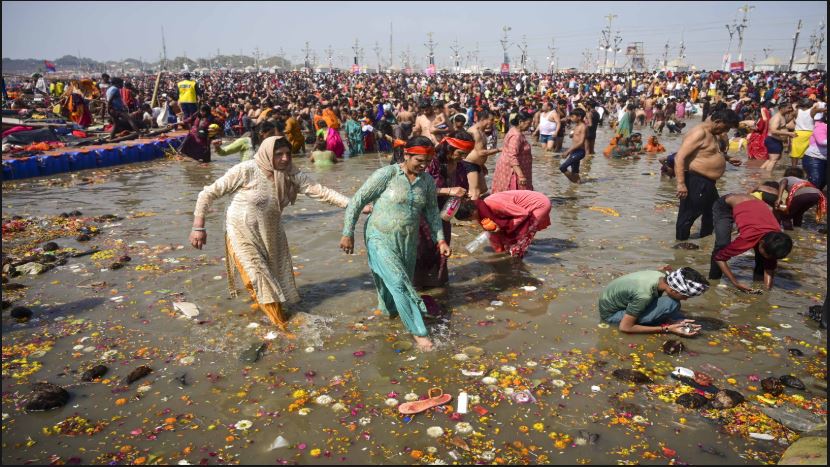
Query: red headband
(399,143)
(420,150)
(465,146)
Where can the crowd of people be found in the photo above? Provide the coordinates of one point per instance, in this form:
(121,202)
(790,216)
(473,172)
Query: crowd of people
(441,130)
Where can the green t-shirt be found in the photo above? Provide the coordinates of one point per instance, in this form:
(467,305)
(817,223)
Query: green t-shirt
(631,292)
(324,158)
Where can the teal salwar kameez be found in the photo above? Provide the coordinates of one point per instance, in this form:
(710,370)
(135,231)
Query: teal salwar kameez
(354,135)
(391,236)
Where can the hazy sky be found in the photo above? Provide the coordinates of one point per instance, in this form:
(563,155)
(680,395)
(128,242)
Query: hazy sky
(118,30)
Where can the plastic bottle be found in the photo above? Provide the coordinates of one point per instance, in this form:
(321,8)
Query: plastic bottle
(462,402)
(473,246)
(450,208)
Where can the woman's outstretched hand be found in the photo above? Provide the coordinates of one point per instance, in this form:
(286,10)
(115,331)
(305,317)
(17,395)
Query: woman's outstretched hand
(198,238)
(347,245)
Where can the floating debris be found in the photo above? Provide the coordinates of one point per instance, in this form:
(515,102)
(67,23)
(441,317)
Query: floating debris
(46,396)
(137,374)
(632,376)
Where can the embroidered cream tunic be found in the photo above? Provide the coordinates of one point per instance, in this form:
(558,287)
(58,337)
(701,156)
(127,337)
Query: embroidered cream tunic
(254,226)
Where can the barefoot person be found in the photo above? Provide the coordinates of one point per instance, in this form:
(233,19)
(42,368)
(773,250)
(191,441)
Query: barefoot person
(401,194)
(514,169)
(699,164)
(576,153)
(255,240)
(511,217)
(636,301)
(481,153)
(758,229)
(779,135)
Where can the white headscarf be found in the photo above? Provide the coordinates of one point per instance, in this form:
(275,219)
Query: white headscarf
(284,181)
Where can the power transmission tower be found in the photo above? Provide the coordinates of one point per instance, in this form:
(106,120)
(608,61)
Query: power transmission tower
(666,56)
(605,41)
(766,52)
(731,29)
(256,57)
(617,49)
(455,49)
(164,50)
(795,43)
(307,51)
(376,49)
(505,43)
(430,45)
(475,58)
(523,48)
(330,56)
(551,57)
(357,49)
(820,44)
(586,59)
(741,27)
(391,55)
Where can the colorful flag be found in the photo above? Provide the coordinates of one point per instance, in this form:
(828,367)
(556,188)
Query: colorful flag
(49,66)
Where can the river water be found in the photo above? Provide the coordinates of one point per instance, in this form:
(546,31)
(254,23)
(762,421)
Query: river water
(533,322)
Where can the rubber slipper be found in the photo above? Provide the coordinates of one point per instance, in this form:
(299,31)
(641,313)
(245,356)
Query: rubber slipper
(411,408)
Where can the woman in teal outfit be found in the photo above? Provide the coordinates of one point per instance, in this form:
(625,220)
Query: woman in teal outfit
(401,193)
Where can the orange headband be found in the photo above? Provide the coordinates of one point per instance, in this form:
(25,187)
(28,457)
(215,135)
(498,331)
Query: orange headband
(420,150)
(399,143)
(465,146)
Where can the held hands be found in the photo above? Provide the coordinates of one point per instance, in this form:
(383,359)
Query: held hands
(347,245)
(367,209)
(198,238)
(444,248)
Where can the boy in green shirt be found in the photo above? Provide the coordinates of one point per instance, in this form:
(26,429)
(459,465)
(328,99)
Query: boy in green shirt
(636,302)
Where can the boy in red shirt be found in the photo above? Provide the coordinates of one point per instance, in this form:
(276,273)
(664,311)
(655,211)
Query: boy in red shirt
(758,229)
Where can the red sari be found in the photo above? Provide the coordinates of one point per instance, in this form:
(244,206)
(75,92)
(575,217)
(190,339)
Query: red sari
(756,149)
(519,214)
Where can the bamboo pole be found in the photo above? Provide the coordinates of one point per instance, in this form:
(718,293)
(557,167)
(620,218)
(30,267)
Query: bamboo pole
(155,90)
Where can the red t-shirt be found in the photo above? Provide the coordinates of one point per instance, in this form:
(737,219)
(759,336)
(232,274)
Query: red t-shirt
(754,220)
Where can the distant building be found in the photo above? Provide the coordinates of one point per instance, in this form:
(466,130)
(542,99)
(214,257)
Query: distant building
(809,62)
(770,64)
(677,65)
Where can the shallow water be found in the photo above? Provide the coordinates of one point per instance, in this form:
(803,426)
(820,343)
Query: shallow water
(554,325)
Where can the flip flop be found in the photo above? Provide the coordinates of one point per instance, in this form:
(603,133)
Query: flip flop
(411,408)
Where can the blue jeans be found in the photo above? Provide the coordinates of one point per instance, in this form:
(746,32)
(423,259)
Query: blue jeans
(659,311)
(573,161)
(816,171)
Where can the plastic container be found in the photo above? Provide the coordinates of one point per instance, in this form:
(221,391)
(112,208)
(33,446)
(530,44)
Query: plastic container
(23,168)
(131,154)
(450,208)
(81,160)
(463,400)
(51,165)
(479,242)
(107,157)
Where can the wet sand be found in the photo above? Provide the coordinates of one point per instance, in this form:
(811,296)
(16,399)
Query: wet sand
(546,340)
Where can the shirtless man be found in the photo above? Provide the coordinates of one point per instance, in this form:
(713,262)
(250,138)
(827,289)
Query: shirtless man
(480,153)
(577,151)
(701,162)
(406,120)
(423,124)
(778,135)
